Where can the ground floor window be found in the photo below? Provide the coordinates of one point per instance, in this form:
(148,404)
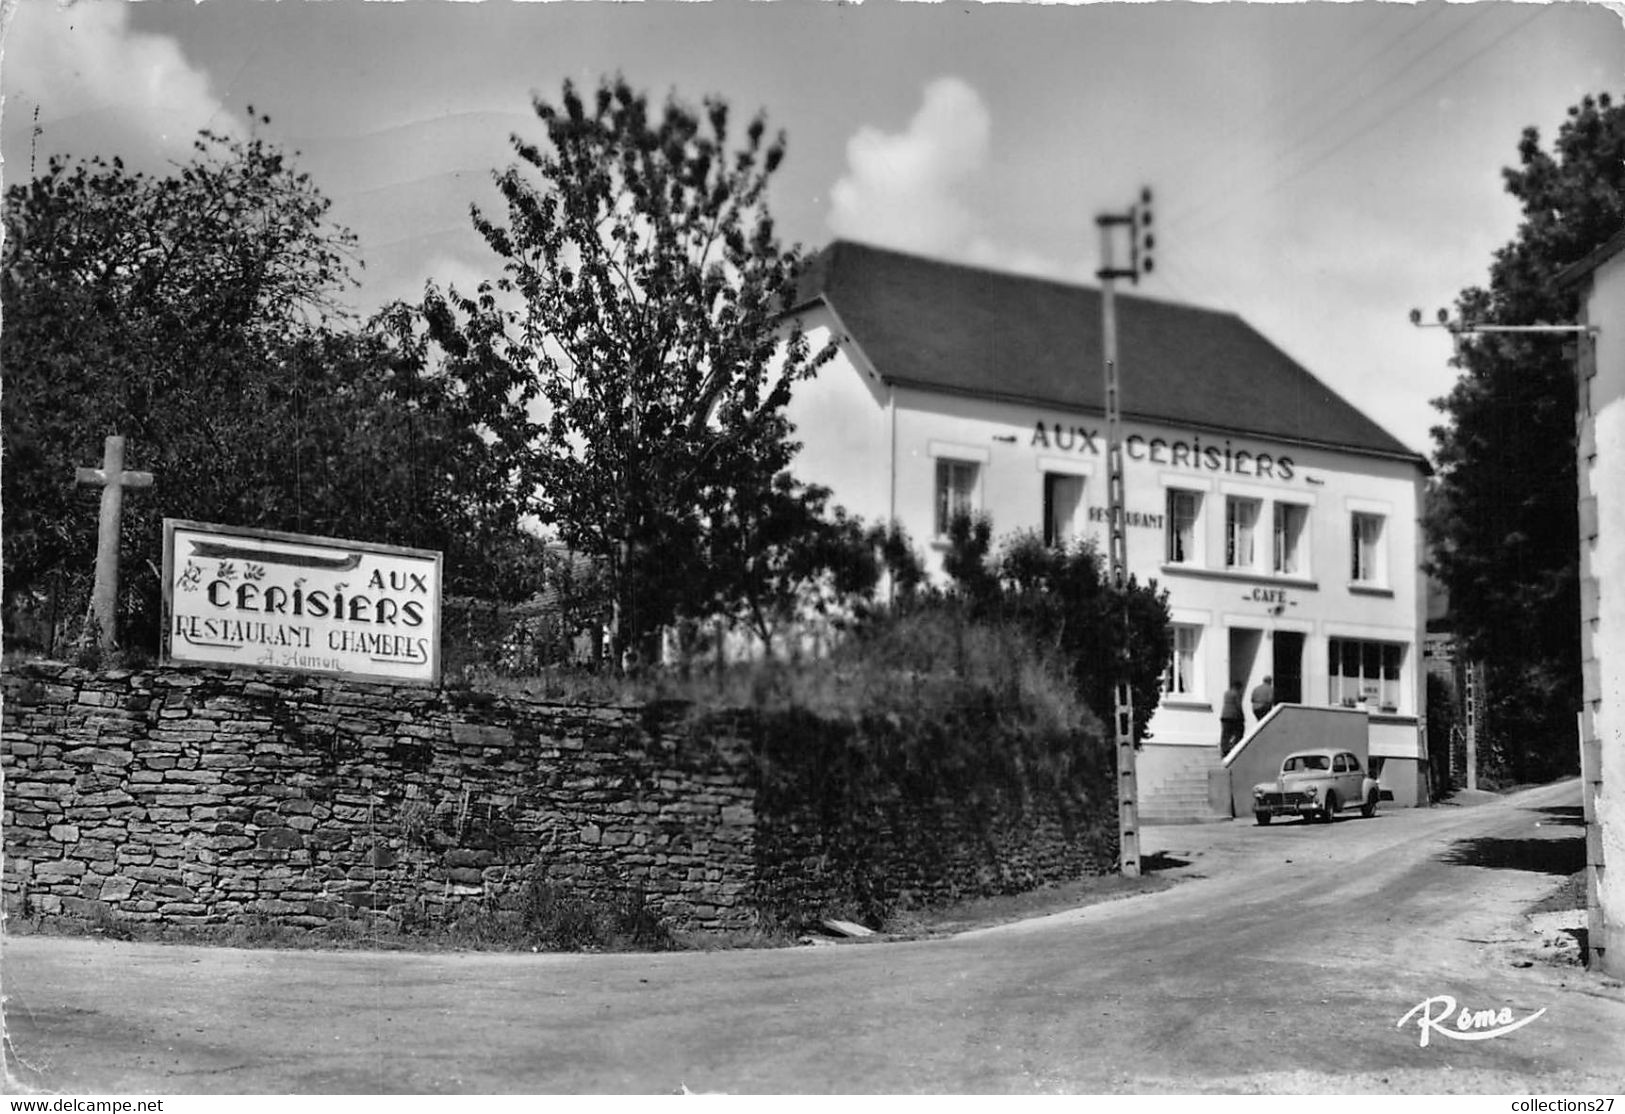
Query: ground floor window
(1365,673)
(1181,678)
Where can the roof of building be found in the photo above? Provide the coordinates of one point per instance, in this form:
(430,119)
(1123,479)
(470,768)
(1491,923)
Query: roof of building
(1582,268)
(947,327)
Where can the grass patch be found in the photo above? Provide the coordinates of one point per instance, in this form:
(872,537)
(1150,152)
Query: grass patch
(1569,894)
(986,912)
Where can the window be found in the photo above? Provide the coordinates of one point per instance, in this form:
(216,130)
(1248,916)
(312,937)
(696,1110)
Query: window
(1181,677)
(1290,519)
(956,490)
(1240,526)
(1365,673)
(1063,497)
(1367,566)
(1340,764)
(1184,508)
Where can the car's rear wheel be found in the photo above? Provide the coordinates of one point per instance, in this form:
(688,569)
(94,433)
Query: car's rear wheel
(1328,811)
(1262,818)
(1369,809)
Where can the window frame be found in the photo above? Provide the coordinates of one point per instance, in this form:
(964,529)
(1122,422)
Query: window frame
(1232,504)
(942,511)
(1377,574)
(1053,538)
(1192,677)
(1302,548)
(1198,497)
(1378,679)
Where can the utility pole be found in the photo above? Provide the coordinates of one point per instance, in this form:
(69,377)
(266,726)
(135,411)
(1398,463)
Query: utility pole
(1137,220)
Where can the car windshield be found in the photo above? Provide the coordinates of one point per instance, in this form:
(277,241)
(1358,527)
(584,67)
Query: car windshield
(1306,762)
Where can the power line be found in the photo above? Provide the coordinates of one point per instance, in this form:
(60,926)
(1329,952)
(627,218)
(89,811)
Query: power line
(1405,104)
(1308,110)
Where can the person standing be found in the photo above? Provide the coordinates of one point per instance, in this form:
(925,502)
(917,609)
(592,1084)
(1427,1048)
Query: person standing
(1232,724)
(1263,698)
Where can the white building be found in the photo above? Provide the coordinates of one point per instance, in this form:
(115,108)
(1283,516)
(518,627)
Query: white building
(1601,446)
(1281,520)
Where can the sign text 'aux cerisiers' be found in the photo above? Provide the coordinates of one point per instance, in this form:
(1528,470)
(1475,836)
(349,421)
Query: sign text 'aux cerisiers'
(270,600)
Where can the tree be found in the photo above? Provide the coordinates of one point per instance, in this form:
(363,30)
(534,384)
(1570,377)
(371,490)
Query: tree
(1504,520)
(197,313)
(652,282)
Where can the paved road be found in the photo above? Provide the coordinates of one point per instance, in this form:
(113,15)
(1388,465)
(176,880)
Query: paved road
(1282,962)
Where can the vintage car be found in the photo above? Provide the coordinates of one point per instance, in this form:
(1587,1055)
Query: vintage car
(1315,784)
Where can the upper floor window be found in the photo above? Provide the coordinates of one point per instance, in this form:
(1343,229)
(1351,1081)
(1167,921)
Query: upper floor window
(1063,504)
(1240,531)
(956,490)
(1184,513)
(1367,564)
(1290,551)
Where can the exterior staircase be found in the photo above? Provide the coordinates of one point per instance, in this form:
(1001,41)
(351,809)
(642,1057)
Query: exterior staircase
(1182,797)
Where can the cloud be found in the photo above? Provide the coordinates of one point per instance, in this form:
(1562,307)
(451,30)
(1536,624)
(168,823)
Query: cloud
(102,87)
(901,190)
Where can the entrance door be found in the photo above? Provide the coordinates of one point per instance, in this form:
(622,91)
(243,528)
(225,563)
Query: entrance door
(1288,663)
(1244,647)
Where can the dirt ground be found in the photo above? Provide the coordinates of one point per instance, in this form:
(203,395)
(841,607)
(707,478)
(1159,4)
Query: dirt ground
(1284,960)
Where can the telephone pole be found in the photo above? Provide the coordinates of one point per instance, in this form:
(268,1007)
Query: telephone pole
(1138,222)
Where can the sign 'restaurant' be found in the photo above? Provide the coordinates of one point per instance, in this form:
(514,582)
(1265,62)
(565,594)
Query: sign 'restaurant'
(268,600)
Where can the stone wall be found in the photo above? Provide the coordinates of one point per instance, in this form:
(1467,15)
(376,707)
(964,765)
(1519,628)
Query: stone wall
(215,797)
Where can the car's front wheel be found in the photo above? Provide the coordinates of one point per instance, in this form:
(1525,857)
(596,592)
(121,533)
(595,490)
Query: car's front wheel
(1328,811)
(1262,818)
(1369,809)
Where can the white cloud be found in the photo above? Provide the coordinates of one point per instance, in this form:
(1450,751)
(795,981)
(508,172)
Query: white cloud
(900,190)
(102,87)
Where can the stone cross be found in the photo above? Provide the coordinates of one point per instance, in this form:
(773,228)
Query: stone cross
(114,479)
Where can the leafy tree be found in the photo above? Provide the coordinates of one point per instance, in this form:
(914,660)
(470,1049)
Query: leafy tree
(651,280)
(197,313)
(1064,600)
(1504,520)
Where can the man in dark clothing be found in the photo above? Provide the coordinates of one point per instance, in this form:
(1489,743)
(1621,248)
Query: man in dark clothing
(1263,699)
(1232,725)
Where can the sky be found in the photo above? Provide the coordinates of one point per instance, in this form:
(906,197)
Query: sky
(1317,168)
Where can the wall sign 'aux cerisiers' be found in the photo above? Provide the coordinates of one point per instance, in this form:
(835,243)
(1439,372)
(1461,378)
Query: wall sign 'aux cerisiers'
(269,600)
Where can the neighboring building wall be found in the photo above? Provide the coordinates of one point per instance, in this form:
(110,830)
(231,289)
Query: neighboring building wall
(1602,569)
(1247,622)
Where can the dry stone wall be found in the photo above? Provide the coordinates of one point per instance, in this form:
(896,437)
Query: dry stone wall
(224,797)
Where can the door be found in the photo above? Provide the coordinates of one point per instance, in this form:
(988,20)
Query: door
(1288,665)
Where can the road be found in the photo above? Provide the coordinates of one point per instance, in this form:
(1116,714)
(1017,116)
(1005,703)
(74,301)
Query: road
(1282,961)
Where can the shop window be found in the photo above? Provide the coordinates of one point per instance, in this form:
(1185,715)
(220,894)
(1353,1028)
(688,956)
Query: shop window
(1184,515)
(1240,532)
(1367,564)
(1063,506)
(956,490)
(1365,674)
(1291,519)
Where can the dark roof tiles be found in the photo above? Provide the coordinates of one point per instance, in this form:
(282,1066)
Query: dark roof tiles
(948,327)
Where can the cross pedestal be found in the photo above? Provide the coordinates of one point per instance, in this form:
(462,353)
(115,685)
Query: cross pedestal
(114,479)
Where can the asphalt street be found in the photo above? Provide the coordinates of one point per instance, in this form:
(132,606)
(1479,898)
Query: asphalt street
(1285,959)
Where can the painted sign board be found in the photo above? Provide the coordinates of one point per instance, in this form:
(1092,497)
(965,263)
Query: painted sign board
(268,600)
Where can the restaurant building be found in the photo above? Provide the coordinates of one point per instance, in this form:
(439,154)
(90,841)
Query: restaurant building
(1282,521)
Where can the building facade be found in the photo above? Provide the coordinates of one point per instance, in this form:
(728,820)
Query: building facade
(1282,522)
(1600,443)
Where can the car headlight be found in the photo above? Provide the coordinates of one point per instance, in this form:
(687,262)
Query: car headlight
(1311,791)
(1258,794)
